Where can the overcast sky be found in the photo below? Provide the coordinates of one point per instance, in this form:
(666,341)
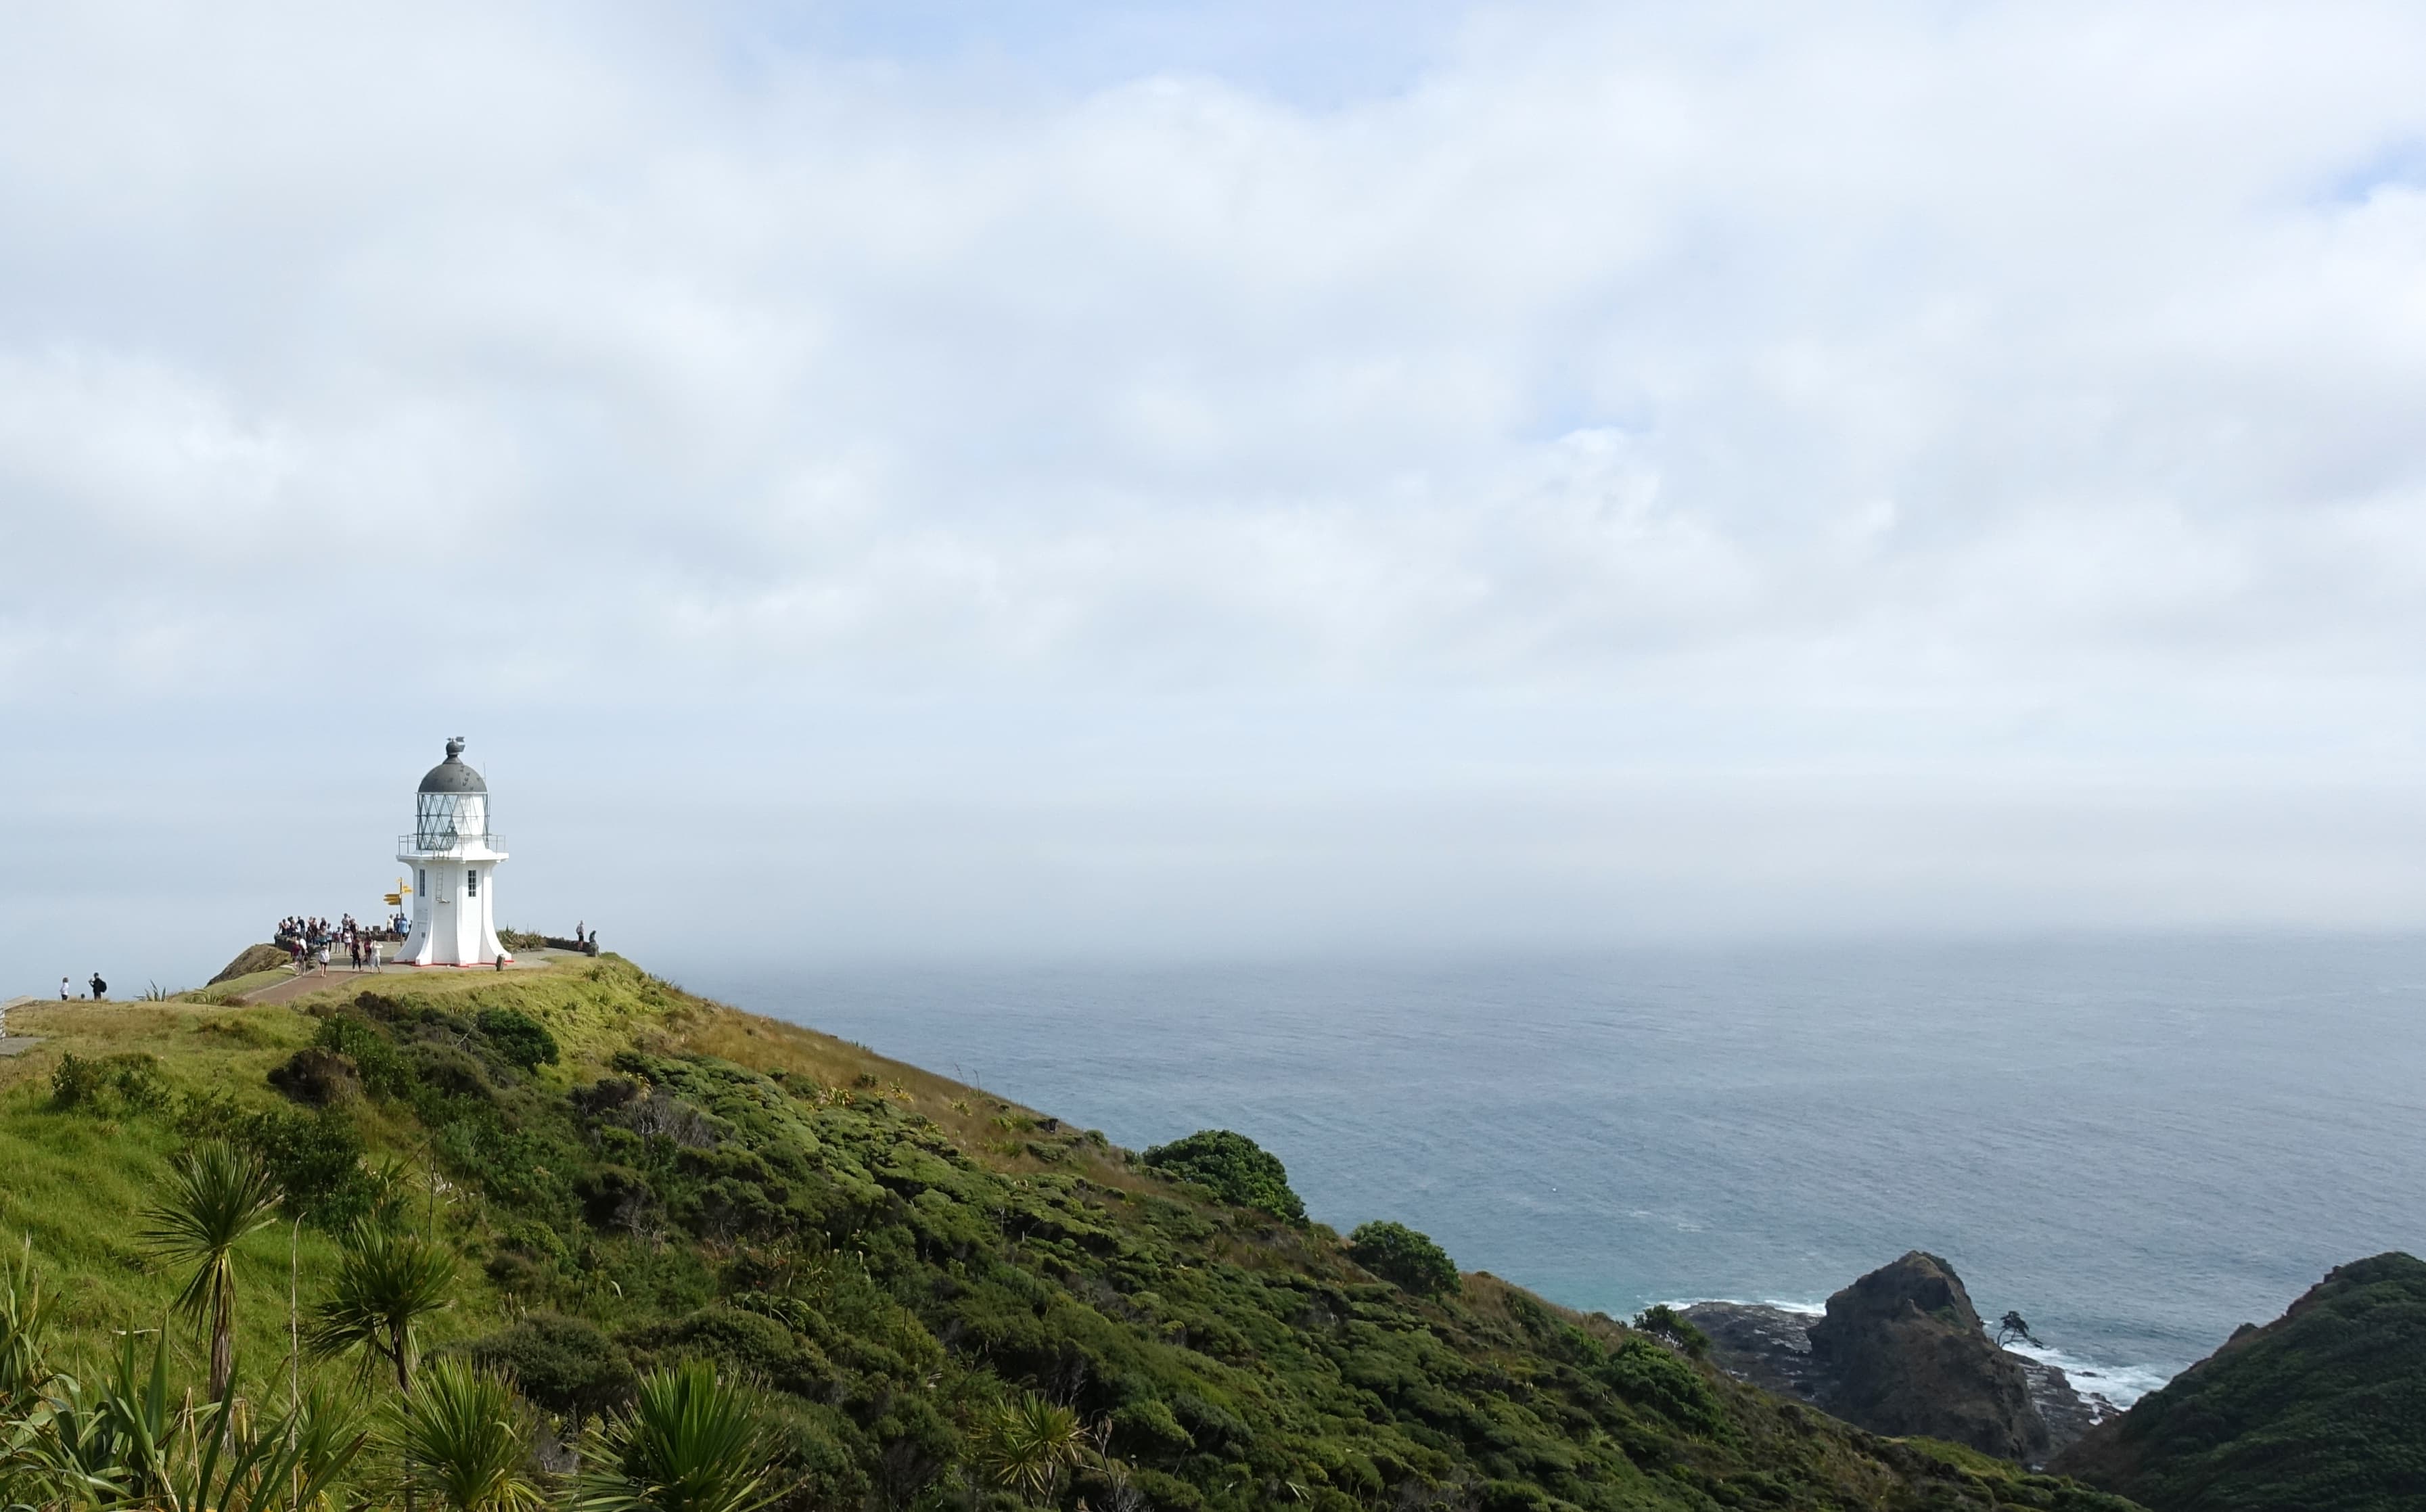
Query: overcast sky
(1198,479)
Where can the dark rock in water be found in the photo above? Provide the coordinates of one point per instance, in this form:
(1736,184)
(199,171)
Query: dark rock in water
(1770,1348)
(1905,1353)
(2067,1411)
(1901,1351)
(2322,1410)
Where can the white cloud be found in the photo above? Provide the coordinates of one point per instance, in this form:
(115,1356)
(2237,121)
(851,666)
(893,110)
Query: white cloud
(1733,390)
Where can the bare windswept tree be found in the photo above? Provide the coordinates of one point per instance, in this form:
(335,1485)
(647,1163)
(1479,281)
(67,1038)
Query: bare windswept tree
(2011,1326)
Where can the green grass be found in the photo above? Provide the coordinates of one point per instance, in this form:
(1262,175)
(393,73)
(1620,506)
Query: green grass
(897,1257)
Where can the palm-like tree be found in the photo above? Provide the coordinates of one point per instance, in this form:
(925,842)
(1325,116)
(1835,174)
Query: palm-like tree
(690,1443)
(466,1439)
(388,1283)
(217,1195)
(1030,1444)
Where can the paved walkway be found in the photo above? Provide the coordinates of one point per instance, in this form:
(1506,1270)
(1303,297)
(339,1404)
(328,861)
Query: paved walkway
(17,1045)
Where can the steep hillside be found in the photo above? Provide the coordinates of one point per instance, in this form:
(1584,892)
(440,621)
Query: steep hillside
(635,1176)
(2322,1410)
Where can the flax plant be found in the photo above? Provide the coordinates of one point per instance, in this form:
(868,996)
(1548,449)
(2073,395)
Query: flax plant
(464,1439)
(689,1442)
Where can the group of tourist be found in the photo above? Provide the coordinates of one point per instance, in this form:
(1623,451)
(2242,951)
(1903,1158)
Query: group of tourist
(309,942)
(100,990)
(301,932)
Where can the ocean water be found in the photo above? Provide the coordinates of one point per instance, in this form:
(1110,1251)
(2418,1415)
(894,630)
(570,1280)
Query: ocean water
(2138,1144)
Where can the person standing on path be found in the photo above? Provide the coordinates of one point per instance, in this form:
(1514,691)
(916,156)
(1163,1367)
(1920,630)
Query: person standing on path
(99,988)
(64,994)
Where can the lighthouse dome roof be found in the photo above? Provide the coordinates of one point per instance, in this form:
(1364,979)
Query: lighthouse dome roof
(451,775)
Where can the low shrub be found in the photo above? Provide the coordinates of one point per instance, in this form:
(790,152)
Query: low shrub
(1664,1321)
(130,1083)
(1236,1168)
(1400,1255)
(316,1158)
(1651,1376)
(520,1039)
(566,1365)
(317,1077)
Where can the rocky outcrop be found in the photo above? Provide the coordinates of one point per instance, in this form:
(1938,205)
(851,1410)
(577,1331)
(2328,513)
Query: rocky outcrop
(1904,1353)
(254,959)
(1901,1351)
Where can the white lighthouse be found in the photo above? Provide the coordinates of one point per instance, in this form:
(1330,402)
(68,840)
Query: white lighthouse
(454,860)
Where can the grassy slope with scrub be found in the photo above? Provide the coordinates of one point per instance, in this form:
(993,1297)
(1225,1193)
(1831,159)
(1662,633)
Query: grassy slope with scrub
(948,1300)
(2323,1409)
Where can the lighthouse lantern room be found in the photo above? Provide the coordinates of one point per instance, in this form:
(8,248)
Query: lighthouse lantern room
(454,860)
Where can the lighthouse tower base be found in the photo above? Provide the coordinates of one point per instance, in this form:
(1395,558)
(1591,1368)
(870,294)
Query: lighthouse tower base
(454,915)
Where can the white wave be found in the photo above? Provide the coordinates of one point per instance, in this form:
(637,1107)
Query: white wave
(2121,1385)
(1801,1309)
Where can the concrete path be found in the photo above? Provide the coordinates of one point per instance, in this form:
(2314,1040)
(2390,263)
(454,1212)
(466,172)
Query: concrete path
(18,1044)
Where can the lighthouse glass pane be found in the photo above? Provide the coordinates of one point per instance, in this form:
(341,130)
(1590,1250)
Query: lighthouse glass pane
(472,882)
(444,821)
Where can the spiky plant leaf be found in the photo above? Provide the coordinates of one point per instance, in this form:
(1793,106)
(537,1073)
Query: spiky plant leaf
(464,1439)
(690,1442)
(388,1285)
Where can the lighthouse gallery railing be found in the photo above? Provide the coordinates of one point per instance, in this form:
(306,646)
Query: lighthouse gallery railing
(448,842)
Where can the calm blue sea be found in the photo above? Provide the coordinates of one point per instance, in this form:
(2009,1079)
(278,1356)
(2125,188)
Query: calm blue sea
(2139,1144)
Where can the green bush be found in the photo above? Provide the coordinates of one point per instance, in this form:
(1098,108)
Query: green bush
(316,1076)
(374,1056)
(566,1365)
(1236,1168)
(1653,1376)
(130,1081)
(1664,1321)
(1400,1255)
(316,1158)
(522,1040)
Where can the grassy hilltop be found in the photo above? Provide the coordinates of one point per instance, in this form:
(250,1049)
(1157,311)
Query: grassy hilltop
(919,1283)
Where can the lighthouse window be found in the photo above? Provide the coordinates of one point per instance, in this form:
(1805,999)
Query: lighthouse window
(472,882)
(421,878)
